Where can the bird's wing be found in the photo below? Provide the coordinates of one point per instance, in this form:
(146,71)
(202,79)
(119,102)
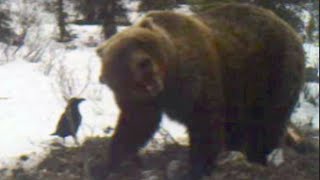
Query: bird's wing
(70,120)
(62,124)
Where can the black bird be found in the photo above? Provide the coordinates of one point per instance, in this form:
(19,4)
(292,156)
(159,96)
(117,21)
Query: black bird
(70,120)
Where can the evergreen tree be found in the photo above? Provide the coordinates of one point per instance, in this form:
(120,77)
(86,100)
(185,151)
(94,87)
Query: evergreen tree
(109,13)
(6,33)
(112,13)
(94,11)
(147,5)
(64,35)
(312,27)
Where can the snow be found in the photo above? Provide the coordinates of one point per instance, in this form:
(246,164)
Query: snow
(135,16)
(26,115)
(132,6)
(31,98)
(307,113)
(312,54)
(184,9)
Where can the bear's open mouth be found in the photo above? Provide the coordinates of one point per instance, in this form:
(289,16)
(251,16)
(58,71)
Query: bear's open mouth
(151,88)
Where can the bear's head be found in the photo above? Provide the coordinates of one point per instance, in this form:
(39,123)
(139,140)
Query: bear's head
(134,62)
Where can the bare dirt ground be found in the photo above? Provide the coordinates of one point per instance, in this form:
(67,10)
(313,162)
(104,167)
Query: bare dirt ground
(71,163)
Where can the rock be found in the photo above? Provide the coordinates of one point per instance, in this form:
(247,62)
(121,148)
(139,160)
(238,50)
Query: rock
(176,170)
(150,175)
(276,157)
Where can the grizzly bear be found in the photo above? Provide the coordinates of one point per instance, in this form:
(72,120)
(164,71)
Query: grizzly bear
(231,75)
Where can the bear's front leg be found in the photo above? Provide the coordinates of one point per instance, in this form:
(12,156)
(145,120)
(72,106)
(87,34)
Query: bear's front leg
(136,125)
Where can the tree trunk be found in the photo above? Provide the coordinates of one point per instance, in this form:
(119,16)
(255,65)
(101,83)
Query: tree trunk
(63,34)
(109,25)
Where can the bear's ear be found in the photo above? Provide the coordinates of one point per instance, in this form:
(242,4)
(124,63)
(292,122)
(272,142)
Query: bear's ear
(148,23)
(99,51)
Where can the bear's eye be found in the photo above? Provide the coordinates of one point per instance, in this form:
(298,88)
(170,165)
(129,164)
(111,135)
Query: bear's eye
(144,63)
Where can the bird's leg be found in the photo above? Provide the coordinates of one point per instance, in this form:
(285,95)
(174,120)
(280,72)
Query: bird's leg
(76,140)
(63,141)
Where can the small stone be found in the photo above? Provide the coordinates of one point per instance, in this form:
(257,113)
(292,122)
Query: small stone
(175,170)
(276,157)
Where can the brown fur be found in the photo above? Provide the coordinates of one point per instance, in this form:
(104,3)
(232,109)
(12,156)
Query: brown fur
(231,75)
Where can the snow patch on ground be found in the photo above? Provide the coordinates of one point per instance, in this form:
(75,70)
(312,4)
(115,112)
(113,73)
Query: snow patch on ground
(29,111)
